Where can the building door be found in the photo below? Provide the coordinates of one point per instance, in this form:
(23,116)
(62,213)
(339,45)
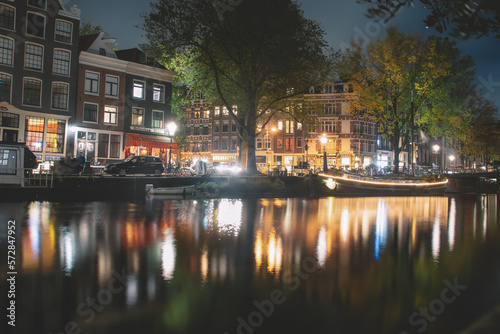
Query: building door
(9,136)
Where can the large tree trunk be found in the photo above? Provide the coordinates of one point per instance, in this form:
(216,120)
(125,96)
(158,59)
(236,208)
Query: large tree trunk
(397,149)
(251,127)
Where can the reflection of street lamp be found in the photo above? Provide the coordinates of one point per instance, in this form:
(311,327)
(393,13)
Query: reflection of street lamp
(171,127)
(323,141)
(436,151)
(452,158)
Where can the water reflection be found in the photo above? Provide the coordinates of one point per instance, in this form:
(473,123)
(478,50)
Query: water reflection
(379,258)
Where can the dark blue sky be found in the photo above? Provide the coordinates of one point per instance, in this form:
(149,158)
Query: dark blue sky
(342,20)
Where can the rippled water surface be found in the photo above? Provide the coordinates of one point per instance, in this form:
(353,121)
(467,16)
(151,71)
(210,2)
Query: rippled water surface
(332,265)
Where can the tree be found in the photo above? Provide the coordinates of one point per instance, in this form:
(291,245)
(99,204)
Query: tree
(90,29)
(403,71)
(483,133)
(466,18)
(250,54)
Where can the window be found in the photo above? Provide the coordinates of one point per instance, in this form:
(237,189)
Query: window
(258,143)
(37,3)
(225,112)
(205,130)
(34,133)
(110,115)
(233,144)
(217,111)
(158,93)
(268,143)
(204,146)
(289,127)
(62,60)
(216,126)
(55,135)
(92,82)
(206,113)
(328,126)
(9,120)
(225,126)
(102,51)
(7,17)
(216,145)
(32,92)
(33,56)
(299,142)
(280,125)
(90,112)
(35,25)
(288,144)
(5,87)
(64,31)
(279,142)
(138,116)
(8,161)
(60,91)
(328,109)
(299,126)
(114,146)
(138,92)
(103,145)
(6,51)
(111,86)
(224,144)
(157,119)
(233,126)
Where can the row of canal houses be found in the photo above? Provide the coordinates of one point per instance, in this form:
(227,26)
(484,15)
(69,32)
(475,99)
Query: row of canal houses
(61,93)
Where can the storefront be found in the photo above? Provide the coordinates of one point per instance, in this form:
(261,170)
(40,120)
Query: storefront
(158,146)
(44,134)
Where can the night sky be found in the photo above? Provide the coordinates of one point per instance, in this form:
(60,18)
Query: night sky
(341,19)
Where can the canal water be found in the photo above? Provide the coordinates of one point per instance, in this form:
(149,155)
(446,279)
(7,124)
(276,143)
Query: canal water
(330,265)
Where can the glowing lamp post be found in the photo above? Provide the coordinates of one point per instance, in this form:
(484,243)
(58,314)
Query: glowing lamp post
(323,141)
(435,148)
(452,159)
(171,128)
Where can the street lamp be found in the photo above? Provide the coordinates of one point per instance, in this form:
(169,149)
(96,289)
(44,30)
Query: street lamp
(452,158)
(436,151)
(323,141)
(171,127)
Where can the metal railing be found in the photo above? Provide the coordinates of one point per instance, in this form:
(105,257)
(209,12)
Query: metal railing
(38,178)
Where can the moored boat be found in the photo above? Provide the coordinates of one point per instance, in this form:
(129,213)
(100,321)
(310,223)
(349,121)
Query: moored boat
(181,190)
(358,185)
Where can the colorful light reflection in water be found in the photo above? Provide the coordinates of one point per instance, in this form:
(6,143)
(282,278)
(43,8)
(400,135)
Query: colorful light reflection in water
(376,258)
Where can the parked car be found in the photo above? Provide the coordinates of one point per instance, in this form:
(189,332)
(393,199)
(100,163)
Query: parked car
(141,164)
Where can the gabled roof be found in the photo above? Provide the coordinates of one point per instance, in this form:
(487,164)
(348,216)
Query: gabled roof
(99,43)
(86,41)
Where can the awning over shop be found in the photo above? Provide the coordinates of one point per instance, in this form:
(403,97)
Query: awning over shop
(150,141)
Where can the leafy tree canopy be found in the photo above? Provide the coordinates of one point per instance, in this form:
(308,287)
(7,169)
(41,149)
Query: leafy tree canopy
(253,54)
(403,70)
(464,17)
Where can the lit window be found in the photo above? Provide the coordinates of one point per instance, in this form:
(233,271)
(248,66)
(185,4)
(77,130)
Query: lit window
(62,60)
(64,31)
(90,112)
(60,93)
(157,119)
(280,125)
(55,135)
(138,117)
(158,93)
(7,17)
(111,86)
(217,111)
(32,92)
(35,25)
(33,56)
(138,92)
(34,133)
(6,50)
(92,82)
(110,114)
